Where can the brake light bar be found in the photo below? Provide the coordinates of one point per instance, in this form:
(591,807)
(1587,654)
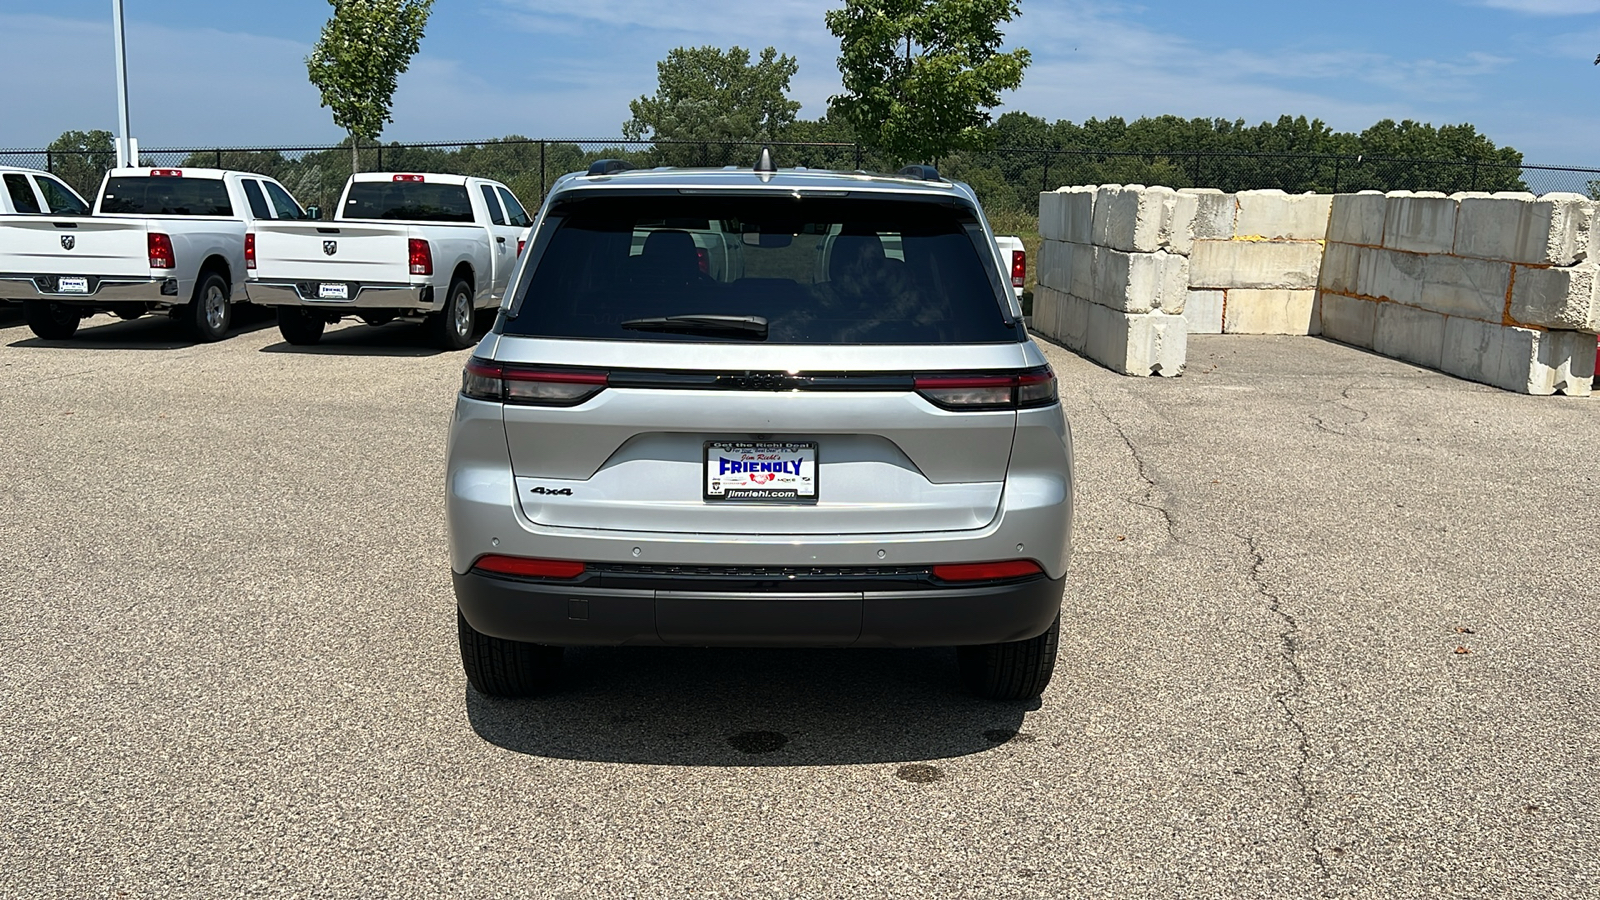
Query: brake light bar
(1021,390)
(989,571)
(166,173)
(250,251)
(421,254)
(528,385)
(525,567)
(160,247)
(415,179)
(1019,268)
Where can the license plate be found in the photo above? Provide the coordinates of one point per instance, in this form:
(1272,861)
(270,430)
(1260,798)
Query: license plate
(72,284)
(333,292)
(761,470)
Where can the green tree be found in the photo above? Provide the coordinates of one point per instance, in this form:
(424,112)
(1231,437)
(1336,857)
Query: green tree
(356,63)
(706,95)
(920,76)
(81,158)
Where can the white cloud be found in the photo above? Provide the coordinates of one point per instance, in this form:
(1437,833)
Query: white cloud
(1546,7)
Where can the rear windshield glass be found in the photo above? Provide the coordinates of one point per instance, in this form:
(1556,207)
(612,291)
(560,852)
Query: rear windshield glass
(166,196)
(819,270)
(408,200)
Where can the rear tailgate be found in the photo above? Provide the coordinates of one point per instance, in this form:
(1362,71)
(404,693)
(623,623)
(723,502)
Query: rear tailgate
(78,245)
(366,253)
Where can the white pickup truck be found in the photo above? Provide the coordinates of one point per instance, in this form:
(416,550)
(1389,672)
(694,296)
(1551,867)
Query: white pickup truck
(401,245)
(160,240)
(1015,254)
(28,194)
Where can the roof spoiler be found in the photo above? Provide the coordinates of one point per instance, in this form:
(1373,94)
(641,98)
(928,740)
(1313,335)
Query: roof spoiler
(609,166)
(920,173)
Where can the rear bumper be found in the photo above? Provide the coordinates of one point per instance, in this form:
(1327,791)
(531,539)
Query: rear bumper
(568,615)
(362,296)
(102,289)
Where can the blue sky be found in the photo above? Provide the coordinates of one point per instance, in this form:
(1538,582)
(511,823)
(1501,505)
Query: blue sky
(205,72)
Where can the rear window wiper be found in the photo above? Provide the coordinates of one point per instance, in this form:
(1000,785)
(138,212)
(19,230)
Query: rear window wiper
(702,324)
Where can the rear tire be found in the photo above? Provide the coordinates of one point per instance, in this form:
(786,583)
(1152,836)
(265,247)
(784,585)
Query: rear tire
(209,312)
(300,327)
(500,668)
(1017,670)
(50,320)
(452,327)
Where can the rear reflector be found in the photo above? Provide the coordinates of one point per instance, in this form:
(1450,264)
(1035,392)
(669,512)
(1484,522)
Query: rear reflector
(160,250)
(522,567)
(990,571)
(421,257)
(484,380)
(1035,387)
(1019,268)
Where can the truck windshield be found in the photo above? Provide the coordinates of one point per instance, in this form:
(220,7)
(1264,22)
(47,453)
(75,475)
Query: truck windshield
(814,270)
(151,195)
(408,200)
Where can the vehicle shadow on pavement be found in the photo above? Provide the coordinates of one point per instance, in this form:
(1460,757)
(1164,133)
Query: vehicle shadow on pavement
(154,332)
(749,707)
(393,339)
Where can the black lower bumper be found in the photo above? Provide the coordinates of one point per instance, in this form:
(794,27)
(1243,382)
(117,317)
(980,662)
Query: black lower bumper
(570,615)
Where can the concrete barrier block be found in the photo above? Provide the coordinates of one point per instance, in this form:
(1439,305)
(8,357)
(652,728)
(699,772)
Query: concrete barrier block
(1350,320)
(1250,311)
(1566,298)
(1410,334)
(1046,302)
(1072,322)
(1276,215)
(1524,360)
(1391,275)
(1420,223)
(1133,344)
(1077,215)
(1522,228)
(1138,219)
(1457,286)
(1048,268)
(1203,310)
(1140,282)
(1357,218)
(1079,267)
(1255,264)
(1214,213)
(1178,214)
(1051,204)
(1341,267)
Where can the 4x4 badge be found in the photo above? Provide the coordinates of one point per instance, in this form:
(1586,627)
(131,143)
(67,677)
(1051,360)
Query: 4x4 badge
(68,242)
(553,492)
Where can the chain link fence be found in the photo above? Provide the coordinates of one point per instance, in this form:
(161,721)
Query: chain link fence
(1006,178)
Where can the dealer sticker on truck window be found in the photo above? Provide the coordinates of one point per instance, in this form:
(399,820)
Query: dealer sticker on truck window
(761,470)
(72,284)
(327,291)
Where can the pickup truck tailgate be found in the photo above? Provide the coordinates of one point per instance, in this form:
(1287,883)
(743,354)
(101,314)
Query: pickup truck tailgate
(80,245)
(366,253)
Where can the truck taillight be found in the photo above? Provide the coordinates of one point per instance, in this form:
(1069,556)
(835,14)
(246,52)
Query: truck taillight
(421,257)
(250,251)
(160,251)
(485,380)
(520,245)
(1019,268)
(166,173)
(973,393)
(703,260)
(412,179)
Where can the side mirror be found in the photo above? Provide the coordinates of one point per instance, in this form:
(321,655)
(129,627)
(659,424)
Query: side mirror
(314,212)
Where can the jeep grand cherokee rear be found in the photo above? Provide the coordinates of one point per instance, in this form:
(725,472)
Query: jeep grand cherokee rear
(741,408)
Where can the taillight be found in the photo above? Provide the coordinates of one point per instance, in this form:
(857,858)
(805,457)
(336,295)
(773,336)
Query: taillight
(1019,268)
(990,571)
(412,179)
(1023,390)
(166,173)
(160,251)
(484,380)
(703,260)
(421,257)
(523,567)
(520,245)
(250,251)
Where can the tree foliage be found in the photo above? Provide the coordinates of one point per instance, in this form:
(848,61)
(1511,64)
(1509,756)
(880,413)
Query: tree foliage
(81,158)
(704,94)
(356,64)
(920,76)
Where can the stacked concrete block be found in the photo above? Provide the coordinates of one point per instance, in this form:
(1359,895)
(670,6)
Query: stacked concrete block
(1256,260)
(1496,288)
(1114,275)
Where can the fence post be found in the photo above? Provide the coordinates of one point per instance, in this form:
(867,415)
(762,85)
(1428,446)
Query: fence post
(380,157)
(49,161)
(858,155)
(219,157)
(542,188)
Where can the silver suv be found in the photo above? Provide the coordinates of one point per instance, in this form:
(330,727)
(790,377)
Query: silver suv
(759,408)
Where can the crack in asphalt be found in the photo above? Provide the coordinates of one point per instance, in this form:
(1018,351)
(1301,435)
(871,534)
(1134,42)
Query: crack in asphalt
(1148,500)
(1287,699)
(1348,406)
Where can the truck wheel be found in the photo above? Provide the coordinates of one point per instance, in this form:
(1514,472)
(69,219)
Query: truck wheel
(500,668)
(1018,670)
(209,313)
(300,327)
(50,320)
(451,328)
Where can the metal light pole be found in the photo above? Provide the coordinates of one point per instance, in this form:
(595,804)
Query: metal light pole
(124,142)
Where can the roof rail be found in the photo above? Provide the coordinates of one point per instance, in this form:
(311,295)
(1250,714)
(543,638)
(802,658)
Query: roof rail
(921,173)
(609,166)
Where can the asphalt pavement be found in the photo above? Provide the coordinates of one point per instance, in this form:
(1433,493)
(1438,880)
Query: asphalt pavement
(1332,630)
